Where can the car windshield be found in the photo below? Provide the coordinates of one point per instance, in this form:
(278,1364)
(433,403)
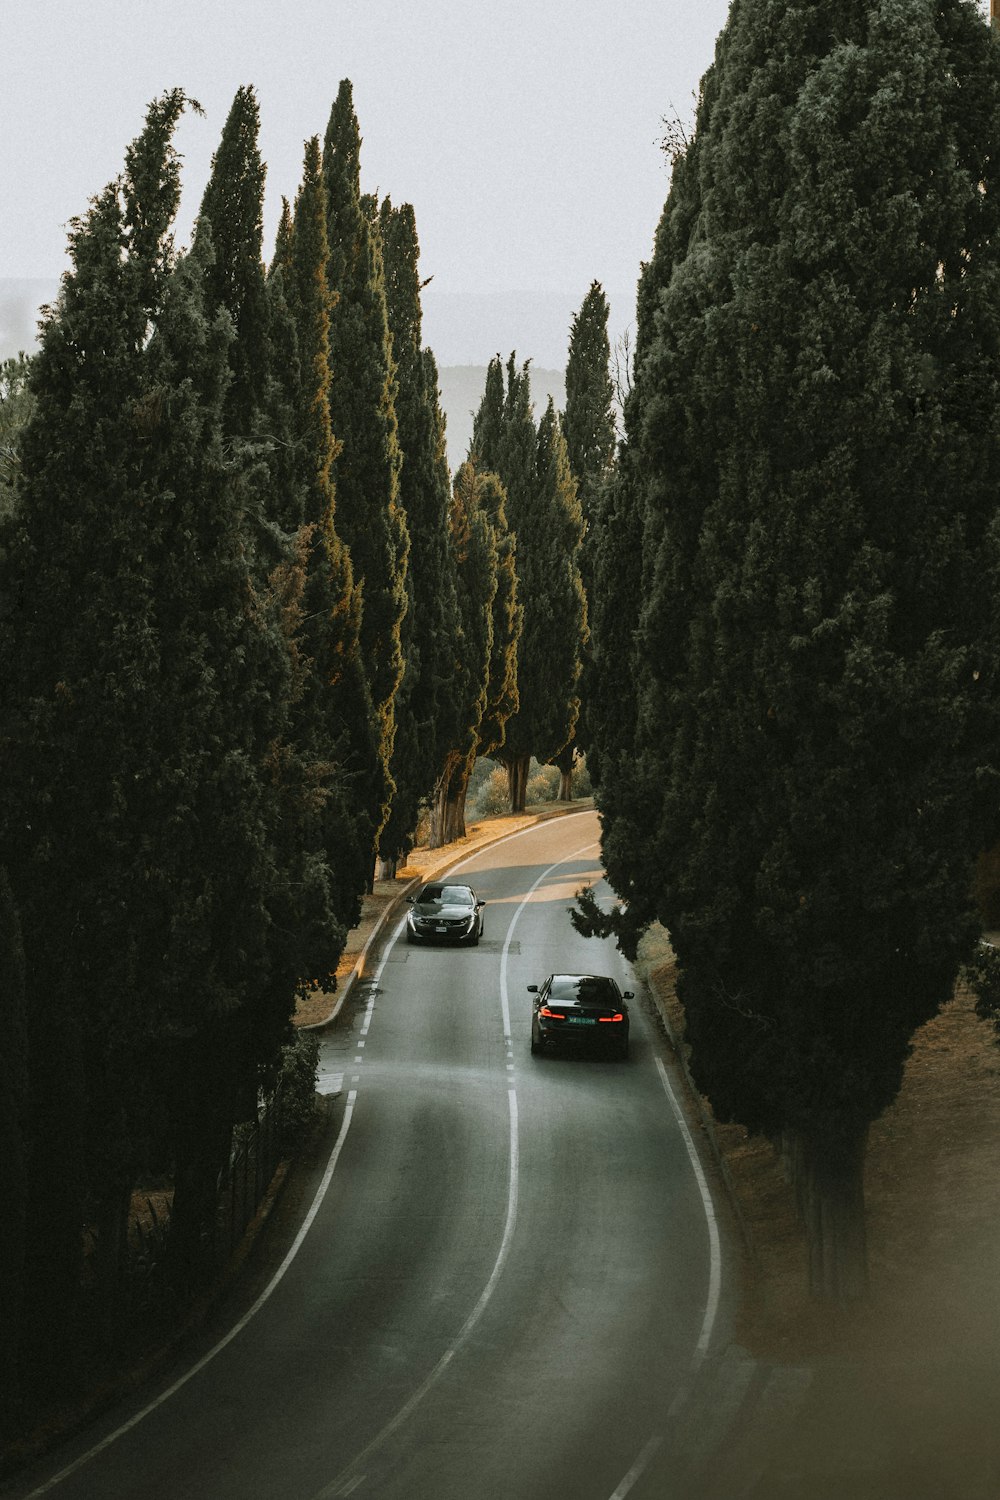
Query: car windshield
(446,893)
(583,989)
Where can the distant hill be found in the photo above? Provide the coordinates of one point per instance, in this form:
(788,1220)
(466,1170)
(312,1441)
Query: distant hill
(462,390)
(533,325)
(469,328)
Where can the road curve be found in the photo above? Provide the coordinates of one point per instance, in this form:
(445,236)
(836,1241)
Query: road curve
(510,1282)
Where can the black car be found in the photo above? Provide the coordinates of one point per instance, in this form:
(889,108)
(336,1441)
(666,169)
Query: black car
(587,1008)
(445,913)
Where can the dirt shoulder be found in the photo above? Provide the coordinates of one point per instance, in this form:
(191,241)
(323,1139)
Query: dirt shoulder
(932,1187)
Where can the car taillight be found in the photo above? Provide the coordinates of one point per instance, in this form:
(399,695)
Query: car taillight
(618,1017)
(553,1015)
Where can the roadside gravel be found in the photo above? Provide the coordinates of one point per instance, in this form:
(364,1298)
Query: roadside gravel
(903,1391)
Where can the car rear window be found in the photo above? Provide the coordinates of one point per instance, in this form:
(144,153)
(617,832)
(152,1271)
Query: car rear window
(588,990)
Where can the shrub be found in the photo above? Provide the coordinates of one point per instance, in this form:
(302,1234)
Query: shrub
(582,784)
(493,796)
(297,1087)
(543,783)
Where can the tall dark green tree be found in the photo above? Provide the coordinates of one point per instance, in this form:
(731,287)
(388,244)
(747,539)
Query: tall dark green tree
(233,204)
(362,406)
(544,514)
(15,408)
(474,549)
(488,428)
(589,428)
(428,700)
(219,670)
(333,726)
(589,418)
(13,1148)
(485,667)
(814,445)
(508,621)
(270,424)
(74,654)
(68,672)
(143,688)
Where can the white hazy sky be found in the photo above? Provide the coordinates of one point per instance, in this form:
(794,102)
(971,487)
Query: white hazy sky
(524,132)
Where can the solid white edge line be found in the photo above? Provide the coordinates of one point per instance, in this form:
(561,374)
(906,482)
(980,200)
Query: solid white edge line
(714,1283)
(345,1481)
(237,1328)
(715,1252)
(637,1469)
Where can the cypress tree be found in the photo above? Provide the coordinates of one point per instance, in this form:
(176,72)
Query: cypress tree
(233,204)
(485,450)
(362,406)
(145,687)
(220,676)
(508,621)
(816,450)
(13,1147)
(589,428)
(427,704)
(544,514)
(588,421)
(474,548)
(485,669)
(15,408)
(75,665)
(263,421)
(334,720)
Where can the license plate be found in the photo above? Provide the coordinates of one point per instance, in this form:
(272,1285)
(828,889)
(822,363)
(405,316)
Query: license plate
(440,929)
(581,1020)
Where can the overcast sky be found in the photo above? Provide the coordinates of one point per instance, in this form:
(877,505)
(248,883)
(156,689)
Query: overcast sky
(524,132)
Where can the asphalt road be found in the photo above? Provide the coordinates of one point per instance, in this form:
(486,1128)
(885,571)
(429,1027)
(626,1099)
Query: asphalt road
(513,1278)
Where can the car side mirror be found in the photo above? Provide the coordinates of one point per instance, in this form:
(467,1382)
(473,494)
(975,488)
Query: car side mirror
(410,900)
(480,905)
(628,994)
(532,989)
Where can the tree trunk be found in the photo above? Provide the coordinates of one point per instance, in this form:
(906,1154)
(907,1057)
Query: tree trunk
(517,781)
(441,803)
(564,762)
(458,792)
(829,1182)
(109,1255)
(385,869)
(201,1156)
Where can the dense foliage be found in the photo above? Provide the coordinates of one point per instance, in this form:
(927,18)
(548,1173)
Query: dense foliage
(543,511)
(428,705)
(812,462)
(362,395)
(589,428)
(488,629)
(198,679)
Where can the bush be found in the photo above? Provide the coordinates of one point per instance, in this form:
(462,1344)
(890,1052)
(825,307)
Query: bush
(297,1087)
(543,784)
(493,795)
(582,784)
